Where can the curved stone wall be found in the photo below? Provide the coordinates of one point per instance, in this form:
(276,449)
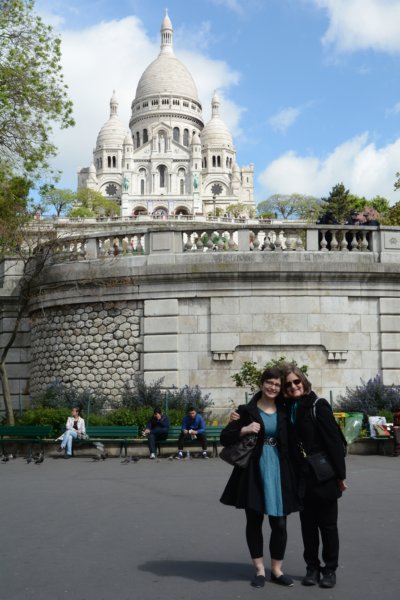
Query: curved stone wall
(94,346)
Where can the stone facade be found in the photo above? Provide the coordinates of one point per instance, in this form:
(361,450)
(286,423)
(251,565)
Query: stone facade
(86,346)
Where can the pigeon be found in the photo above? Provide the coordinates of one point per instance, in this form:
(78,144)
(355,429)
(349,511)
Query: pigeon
(39,459)
(99,446)
(29,460)
(5,459)
(129,459)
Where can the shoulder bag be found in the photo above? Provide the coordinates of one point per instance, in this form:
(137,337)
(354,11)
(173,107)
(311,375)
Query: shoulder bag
(239,453)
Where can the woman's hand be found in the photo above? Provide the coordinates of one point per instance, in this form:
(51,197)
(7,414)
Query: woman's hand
(342,485)
(234,416)
(252,428)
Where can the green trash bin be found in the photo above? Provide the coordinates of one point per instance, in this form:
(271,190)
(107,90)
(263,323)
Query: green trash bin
(352,427)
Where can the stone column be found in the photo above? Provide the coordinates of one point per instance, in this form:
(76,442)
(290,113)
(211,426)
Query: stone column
(160,341)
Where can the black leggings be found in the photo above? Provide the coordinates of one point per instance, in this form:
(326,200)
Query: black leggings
(254,536)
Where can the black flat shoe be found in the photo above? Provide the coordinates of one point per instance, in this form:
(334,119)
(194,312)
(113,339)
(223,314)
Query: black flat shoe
(282,580)
(258,581)
(311,577)
(328,579)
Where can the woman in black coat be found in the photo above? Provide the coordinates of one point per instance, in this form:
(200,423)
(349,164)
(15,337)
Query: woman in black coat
(266,485)
(315,430)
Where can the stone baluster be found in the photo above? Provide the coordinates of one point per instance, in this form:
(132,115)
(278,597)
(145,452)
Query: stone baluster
(209,244)
(364,241)
(278,242)
(299,243)
(256,243)
(125,246)
(116,247)
(354,242)
(334,242)
(139,245)
(231,242)
(343,243)
(199,243)
(324,243)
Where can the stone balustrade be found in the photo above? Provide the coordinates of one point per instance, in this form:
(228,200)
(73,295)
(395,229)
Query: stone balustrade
(121,240)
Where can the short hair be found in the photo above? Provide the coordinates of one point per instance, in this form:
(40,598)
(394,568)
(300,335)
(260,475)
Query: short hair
(190,409)
(78,408)
(292,368)
(157,411)
(271,373)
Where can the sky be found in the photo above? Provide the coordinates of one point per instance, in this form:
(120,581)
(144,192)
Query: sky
(310,89)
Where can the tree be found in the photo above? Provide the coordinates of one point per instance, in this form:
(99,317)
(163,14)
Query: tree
(61,200)
(250,375)
(339,203)
(14,207)
(393,216)
(238,209)
(380,204)
(293,205)
(90,203)
(32,90)
(397,182)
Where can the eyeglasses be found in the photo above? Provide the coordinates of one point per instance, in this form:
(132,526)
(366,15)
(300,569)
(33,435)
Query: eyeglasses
(289,384)
(271,384)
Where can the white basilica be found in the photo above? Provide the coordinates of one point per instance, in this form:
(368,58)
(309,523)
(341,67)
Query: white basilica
(168,162)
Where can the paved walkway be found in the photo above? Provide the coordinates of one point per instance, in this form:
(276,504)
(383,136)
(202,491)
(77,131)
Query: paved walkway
(156,530)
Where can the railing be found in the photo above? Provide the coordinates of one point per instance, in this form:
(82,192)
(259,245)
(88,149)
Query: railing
(216,237)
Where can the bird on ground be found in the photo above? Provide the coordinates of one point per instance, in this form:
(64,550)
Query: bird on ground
(29,459)
(130,459)
(5,458)
(39,459)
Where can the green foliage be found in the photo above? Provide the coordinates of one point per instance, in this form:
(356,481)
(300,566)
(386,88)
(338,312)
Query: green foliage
(14,208)
(90,203)
(285,206)
(56,417)
(58,395)
(239,209)
(397,182)
(393,215)
(340,203)
(181,399)
(59,200)
(370,398)
(136,393)
(250,375)
(32,90)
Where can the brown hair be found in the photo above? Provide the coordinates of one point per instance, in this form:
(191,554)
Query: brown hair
(299,373)
(271,373)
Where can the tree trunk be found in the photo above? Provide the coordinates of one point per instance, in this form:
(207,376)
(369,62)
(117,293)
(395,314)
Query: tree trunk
(7,395)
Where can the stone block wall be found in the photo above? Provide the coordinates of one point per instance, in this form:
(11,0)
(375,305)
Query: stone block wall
(94,346)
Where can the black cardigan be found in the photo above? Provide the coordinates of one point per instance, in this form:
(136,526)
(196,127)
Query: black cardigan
(320,434)
(244,488)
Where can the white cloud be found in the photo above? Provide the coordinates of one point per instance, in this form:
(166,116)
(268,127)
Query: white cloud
(233,5)
(113,55)
(284,119)
(362,25)
(363,168)
(394,110)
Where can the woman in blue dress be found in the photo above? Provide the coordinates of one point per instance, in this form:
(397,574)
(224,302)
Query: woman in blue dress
(267,485)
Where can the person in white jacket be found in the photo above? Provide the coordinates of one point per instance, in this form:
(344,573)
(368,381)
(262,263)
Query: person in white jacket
(75,428)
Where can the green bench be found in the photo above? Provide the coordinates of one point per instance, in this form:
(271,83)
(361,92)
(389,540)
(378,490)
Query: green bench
(26,434)
(119,434)
(213,433)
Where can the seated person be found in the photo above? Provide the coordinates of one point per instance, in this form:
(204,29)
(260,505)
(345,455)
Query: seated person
(193,427)
(156,430)
(75,428)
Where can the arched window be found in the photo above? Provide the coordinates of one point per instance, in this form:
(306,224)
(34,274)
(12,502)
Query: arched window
(114,161)
(176,135)
(145,136)
(227,161)
(214,161)
(182,186)
(162,169)
(218,161)
(137,139)
(109,162)
(186,137)
(142,187)
(205,162)
(101,163)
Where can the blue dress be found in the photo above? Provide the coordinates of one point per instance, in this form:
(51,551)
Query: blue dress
(270,469)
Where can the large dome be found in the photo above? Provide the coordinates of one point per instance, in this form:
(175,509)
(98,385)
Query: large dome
(166,74)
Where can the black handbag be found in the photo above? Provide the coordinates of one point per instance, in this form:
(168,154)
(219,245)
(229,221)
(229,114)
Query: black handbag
(320,466)
(239,453)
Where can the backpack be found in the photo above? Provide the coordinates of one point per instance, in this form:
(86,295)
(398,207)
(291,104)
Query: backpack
(314,418)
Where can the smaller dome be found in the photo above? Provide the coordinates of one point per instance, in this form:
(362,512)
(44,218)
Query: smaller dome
(113,132)
(216,133)
(128,139)
(166,24)
(92,169)
(196,138)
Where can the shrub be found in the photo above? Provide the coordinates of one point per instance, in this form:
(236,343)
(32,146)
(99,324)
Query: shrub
(137,393)
(371,398)
(250,375)
(56,417)
(58,395)
(186,396)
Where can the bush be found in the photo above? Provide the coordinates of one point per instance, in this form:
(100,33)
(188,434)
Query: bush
(186,396)
(371,398)
(250,375)
(56,417)
(57,395)
(137,393)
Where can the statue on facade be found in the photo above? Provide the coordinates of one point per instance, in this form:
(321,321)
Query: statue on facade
(195,182)
(126,184)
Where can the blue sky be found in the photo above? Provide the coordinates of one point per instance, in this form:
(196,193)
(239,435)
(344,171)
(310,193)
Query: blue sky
(310,88)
